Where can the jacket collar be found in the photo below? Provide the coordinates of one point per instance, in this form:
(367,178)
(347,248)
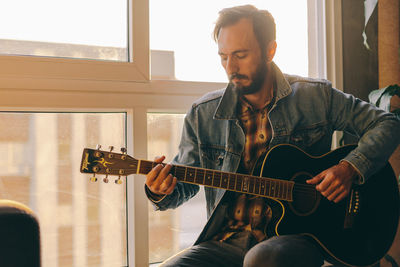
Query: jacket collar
(226,109)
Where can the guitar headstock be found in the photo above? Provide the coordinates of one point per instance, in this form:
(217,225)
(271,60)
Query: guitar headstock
(96,161)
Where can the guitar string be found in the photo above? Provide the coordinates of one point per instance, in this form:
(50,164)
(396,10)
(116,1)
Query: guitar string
(298,187)
(205,170)
(276,180)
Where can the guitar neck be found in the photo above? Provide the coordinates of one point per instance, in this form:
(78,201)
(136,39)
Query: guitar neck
(260,186)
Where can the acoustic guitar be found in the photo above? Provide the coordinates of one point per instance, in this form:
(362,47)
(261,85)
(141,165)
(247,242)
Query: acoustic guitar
(357,231)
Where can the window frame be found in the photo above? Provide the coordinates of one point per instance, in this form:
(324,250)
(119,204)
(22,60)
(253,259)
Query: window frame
(76,85)
(41,69)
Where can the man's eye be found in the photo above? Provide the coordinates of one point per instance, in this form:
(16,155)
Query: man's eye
(241,55)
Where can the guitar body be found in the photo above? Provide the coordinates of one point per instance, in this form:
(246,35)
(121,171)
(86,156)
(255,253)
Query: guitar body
(358,231)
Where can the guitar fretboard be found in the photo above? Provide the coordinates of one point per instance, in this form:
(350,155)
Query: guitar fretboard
(260,186)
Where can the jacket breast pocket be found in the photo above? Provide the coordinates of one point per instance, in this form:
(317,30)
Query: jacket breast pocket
(308,136)
(212,157)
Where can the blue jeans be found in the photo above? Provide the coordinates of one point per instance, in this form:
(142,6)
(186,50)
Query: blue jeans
(279,251)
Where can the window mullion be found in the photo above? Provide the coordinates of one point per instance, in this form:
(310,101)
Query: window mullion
(138,226)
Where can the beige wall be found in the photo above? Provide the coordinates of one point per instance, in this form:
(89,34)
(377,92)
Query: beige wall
(389,73)
(388,42)
(389,54)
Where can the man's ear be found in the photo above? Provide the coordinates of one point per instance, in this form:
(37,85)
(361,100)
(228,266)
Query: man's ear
(271,49)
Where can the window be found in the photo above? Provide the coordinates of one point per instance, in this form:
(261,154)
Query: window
(181,31)
(186,30)
(75,29)
(40,160)
(116,99)
(172,230)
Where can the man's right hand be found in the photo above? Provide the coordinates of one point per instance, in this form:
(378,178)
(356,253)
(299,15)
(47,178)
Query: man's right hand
(159,180)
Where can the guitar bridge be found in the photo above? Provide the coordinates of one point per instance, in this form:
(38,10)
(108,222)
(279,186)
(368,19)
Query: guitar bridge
(352,209)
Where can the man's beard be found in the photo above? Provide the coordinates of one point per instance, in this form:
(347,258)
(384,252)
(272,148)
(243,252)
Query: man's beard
(257,80)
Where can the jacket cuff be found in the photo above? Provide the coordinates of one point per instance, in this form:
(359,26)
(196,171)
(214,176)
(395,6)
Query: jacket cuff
(360,164)
(360,178)
(153,197)
(159,202)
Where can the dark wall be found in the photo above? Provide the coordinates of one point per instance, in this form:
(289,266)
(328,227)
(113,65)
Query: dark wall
(360,65)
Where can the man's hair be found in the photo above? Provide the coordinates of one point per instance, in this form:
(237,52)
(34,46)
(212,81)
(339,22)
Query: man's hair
(263,22)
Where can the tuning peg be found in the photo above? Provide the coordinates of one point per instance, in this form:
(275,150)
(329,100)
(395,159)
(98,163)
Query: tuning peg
(98,146)
(111,148)
(105,179)
(123,150)
(118,181)
(93,179)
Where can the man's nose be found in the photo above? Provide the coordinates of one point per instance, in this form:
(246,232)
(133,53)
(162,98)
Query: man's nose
(231,66)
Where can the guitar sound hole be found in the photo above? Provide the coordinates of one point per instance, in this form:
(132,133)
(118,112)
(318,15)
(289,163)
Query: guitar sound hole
(305,197)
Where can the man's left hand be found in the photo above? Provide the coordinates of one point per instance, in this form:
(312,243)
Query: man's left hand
(335,183)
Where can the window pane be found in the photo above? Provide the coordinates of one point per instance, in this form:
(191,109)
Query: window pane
(81,223)
(185,27)
(173,230)
(64,28)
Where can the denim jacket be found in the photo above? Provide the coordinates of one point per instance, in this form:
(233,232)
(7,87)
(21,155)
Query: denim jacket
(306,113)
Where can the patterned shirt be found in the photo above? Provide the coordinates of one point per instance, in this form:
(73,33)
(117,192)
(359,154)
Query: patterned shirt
(248,212)
(257,130)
